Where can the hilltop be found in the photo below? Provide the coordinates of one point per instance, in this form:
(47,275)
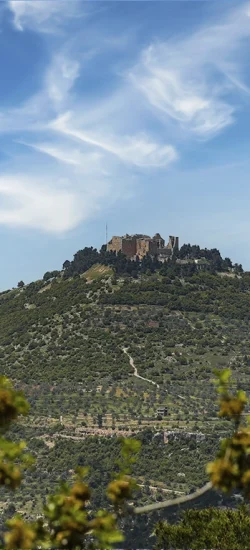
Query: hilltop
(69,338)
(112,346)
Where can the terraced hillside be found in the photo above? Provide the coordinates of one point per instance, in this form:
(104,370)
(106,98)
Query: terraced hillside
(69,345)
(101,354)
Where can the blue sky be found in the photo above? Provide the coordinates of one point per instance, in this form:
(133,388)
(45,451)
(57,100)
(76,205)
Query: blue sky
(134,113)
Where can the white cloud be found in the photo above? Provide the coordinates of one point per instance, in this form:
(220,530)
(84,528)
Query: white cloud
(42,15)
(60,78)
(96,148)
(35,113)
(184,99)
(193,80)
(37,204)
(86,162)
(32,115)
(138,150)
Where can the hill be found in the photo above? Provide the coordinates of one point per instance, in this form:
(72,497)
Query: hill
(101,352)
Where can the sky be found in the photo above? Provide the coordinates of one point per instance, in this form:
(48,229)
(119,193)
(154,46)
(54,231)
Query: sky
(130,113)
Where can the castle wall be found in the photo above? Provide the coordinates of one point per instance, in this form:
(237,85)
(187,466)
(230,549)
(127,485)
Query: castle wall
(146,246)
(115,244)
(129,246)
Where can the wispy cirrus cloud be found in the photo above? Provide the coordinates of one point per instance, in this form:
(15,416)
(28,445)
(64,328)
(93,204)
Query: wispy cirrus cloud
(60,78)
(191,103)
(57,83)
(81,153)
(42,15)
(85,151)
(67,154)
(137,149)
(193,80)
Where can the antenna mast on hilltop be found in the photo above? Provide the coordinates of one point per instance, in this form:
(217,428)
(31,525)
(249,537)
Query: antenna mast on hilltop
(106,233)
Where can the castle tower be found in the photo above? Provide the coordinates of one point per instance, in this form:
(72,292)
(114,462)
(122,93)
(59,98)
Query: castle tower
(160,243)
(173,243)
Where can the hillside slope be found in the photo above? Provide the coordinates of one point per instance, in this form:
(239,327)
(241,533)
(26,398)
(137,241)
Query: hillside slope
(104,354)
(64,342)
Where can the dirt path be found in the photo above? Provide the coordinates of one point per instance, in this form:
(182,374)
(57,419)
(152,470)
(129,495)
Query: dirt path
(155,488)
(131,362)
(49,440)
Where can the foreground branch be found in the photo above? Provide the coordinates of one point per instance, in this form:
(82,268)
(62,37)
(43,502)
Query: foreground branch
(174,501)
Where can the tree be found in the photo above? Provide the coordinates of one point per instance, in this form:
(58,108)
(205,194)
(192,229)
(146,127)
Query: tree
(66,264)
(220,529)
(10,510)
(20,284)
(228,263)
(99,420)
(238,268)
(51,274)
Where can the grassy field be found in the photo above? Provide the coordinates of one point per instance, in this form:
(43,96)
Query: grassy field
(97,272)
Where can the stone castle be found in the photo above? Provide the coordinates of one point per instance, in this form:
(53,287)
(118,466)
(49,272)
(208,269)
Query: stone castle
(139,245)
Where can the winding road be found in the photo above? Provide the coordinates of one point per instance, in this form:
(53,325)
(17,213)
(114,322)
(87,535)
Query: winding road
(131,362)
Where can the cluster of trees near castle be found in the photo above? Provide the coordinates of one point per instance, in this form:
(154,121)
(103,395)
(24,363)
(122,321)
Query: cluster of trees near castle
(86,258)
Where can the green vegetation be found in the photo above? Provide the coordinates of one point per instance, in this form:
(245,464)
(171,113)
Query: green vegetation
(62,341)
(69,521)
(98,271)
(68,340)
(57,456)
(89,256)
(209,528)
